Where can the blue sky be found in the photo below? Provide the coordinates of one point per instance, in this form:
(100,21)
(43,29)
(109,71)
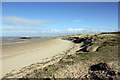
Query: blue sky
(58,18)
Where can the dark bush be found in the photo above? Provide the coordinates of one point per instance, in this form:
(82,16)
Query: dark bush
(25,38)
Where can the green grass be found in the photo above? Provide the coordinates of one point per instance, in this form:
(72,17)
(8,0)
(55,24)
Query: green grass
(105,55)
(107,51)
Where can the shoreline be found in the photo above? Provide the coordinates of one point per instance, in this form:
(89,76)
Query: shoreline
(19,55)
(17,43)
(76,61)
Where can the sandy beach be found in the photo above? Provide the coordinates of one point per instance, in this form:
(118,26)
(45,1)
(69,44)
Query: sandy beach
(54,40)
(18,54)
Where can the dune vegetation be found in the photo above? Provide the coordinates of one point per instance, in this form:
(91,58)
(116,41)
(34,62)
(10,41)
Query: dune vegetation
(96,59)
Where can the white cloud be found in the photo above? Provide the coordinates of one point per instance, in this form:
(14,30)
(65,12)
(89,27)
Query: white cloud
(14,20)
(76,20)
(13,28)
(74,30)
(52,32)
(103,30)
(69,30)
(55,31)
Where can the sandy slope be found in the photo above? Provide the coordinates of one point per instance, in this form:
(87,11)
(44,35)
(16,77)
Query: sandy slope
(19,54)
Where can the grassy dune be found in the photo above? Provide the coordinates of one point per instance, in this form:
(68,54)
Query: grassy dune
(97,58)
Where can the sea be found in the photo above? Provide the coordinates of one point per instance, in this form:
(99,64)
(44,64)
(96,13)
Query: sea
(17,38)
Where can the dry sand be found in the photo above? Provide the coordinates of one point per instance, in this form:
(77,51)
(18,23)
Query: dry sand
(18,54)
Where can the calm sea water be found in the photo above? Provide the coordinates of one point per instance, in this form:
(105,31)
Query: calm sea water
(16,38)
(9,38)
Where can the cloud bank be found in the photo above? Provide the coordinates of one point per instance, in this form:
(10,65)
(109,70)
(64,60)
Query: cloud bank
(52,32)
(67,30)
(13,20)
(13,28)
(76,31)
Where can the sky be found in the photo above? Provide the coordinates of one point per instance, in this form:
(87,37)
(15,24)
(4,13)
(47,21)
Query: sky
(58,18)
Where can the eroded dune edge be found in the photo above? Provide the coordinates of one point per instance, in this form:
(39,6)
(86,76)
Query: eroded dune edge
(92,56)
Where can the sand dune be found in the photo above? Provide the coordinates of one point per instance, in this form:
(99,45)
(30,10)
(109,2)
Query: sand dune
(18,54)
